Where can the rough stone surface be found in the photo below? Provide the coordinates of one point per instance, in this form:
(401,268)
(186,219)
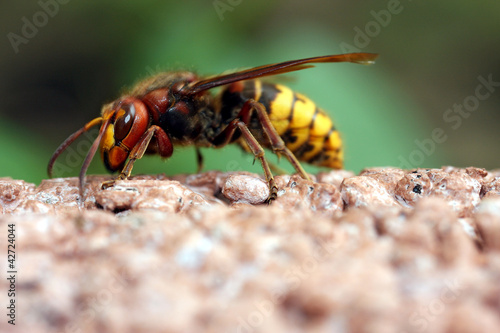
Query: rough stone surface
(458,188)
(388,177)
(13,193)
(487,219)
(491,189)
(388,250)
(299,193)
(245,189)
(362,191)
(334,177)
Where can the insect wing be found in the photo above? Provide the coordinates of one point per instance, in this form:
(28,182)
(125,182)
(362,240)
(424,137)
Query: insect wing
(279,68)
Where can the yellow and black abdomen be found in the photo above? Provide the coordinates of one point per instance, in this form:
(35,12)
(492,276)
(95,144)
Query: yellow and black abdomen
(306,129)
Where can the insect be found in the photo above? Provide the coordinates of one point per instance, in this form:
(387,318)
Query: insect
(177,109)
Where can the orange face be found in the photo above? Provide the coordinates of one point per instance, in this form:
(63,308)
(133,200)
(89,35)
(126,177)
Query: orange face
(128,121)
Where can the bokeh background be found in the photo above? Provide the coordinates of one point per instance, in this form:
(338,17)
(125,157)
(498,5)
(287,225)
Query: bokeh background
(81,54)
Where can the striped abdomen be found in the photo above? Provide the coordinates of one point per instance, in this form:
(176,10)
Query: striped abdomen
(306,129)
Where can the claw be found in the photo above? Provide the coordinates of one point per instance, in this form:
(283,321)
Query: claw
(273,194)
(112,182)
(108,184)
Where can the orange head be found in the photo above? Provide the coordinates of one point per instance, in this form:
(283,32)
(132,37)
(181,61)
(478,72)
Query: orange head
(123,124)
(128,121)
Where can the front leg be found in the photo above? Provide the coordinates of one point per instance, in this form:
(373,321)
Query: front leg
(165,149)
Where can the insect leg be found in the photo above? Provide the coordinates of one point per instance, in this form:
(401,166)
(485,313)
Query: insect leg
(224,137)
(199,160)
(164,146)
(277,144)
(258,152)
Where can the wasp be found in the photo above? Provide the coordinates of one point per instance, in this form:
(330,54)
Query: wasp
(177,109)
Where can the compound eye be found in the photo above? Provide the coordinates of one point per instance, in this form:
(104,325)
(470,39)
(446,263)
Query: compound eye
(123,123)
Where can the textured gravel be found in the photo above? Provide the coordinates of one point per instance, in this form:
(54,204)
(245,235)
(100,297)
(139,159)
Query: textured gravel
(387,250)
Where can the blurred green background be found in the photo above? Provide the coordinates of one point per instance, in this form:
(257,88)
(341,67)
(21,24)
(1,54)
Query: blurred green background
(61,61)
